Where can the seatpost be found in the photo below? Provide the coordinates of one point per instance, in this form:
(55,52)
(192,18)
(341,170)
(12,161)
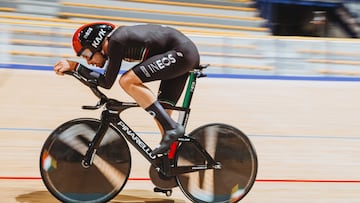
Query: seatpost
(183,116)
(189,90)
(197,73)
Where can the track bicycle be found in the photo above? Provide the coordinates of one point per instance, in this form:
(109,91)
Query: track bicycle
(88,159)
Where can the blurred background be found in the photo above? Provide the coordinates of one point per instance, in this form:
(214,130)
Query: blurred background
(295,92)
(260,37)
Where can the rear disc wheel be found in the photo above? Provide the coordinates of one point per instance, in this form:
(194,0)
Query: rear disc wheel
(237,157)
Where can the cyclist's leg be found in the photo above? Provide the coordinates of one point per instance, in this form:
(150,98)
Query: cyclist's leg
(170,66)
(170,90)
(159,67)
(169,93)
(133,86)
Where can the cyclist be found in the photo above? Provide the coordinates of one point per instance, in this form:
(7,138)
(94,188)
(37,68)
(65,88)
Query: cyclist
(163,53)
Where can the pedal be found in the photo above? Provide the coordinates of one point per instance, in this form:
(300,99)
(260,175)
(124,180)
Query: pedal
(167,192)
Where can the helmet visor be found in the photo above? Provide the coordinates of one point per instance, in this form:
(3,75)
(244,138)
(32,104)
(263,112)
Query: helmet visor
(87,54)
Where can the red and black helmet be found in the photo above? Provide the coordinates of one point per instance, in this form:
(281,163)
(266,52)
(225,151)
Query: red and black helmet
(91,36)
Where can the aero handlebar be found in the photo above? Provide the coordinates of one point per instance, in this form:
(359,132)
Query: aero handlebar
(92,84)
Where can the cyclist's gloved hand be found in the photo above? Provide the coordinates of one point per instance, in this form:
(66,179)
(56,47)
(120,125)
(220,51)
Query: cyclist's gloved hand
(64,65)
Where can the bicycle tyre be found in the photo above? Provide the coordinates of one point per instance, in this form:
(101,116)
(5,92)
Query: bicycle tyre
(235,152)
(62,171)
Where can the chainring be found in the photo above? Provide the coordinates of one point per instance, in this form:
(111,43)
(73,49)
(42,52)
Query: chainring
(160,180)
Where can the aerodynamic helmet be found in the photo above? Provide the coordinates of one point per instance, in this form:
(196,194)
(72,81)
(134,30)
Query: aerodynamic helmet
(91,36)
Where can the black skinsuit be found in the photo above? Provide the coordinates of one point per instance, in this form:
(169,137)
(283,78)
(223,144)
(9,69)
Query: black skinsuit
(163,54)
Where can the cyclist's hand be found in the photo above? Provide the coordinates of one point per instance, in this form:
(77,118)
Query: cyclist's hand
(64,65)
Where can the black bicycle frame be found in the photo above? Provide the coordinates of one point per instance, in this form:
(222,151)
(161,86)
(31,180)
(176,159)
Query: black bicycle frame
(110,116)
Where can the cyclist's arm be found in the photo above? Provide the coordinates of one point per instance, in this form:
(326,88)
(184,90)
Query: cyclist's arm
(88,73)
(105,80)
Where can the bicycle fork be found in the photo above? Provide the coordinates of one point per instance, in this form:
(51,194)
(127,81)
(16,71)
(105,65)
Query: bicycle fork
(95,143)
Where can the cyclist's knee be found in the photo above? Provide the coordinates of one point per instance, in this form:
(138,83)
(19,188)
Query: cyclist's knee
(128,79)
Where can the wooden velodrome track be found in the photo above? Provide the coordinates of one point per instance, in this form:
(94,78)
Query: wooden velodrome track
(307,134)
